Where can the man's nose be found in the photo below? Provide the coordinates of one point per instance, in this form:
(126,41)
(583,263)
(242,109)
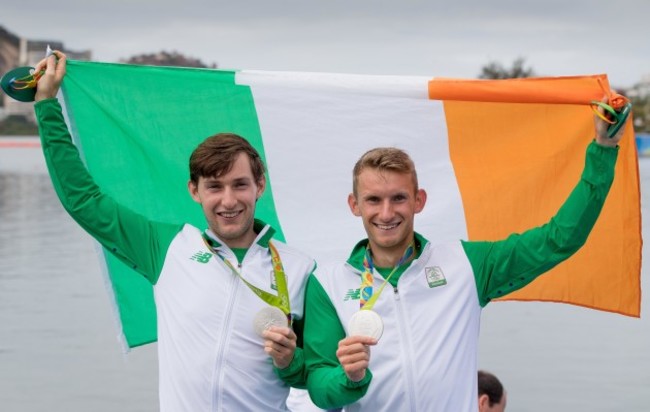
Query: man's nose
(386,211)
(229,199)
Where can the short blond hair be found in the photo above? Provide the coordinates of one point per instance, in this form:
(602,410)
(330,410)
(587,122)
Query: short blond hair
(389,159)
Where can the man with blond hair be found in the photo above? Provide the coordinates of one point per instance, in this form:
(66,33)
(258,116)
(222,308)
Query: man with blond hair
(420,337)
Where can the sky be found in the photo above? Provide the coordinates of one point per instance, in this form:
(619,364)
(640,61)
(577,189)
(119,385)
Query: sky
(394,37)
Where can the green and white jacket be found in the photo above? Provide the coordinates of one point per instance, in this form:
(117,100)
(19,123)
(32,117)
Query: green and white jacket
(210,358)
(426,359)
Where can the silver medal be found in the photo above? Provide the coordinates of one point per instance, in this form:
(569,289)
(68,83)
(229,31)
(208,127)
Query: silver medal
(267,317)
(366,323)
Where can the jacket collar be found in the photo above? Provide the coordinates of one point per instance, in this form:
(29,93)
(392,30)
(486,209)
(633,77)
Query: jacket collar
(359,251)
(264,234)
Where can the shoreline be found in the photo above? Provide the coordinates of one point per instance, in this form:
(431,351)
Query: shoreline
(13,142)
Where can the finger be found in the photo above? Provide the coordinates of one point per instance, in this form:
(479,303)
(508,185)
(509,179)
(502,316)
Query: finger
(354,350)
(366,340)
(280,338)
(355,371)
(277,351)
(60,64)
(284,330)
(353,353)
(600,124)
(352,367)
(59,54)
(282,345)
(50,67)
(619,135)
(358,361)
(286,346)
(40,65)
(281,358)
(350,349)
(363,340)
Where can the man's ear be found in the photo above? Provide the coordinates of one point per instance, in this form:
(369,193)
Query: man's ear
(420,200)
(354,205)
(261,186)
(194,191)
(483,402)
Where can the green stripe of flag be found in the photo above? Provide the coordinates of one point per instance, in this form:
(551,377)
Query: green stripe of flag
(143,128)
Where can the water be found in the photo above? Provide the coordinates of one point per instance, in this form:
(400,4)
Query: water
(59,351)
(58,344)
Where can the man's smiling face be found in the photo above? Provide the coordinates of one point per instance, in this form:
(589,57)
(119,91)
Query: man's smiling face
(387,203)
(228,202)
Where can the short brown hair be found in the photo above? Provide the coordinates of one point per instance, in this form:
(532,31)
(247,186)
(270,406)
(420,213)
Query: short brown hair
(388,159)
(216,155)
(489,385)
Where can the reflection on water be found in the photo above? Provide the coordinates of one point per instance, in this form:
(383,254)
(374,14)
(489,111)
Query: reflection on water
(59,351)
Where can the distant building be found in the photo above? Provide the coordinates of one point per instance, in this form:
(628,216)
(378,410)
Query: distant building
(16,52)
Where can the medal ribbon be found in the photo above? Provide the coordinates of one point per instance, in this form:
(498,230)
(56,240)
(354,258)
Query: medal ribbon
(368,298)
(280,301)
(26,82)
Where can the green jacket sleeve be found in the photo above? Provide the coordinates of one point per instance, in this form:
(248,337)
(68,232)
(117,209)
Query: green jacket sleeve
(504,266)
(132,238)
(294,374)
(328,385)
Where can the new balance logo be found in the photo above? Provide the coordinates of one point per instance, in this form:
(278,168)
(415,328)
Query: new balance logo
(201,257)
(352,294)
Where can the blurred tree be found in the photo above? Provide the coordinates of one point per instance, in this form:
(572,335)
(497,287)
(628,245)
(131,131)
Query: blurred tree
(495,70)
(17,125)
(165,58)
(641,113)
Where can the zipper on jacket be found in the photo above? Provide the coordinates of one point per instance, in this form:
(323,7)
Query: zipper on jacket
(225,336)
(406,339)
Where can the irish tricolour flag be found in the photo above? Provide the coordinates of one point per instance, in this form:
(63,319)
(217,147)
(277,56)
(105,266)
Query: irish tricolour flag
(494,156)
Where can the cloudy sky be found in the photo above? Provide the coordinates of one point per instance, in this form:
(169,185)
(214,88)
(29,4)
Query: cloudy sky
(409,37)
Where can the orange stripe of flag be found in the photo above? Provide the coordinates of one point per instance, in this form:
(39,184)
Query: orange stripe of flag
(555,90)
(517,163)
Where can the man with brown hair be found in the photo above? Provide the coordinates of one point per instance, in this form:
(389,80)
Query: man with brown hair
(429,322)
(211,286)
(491,395)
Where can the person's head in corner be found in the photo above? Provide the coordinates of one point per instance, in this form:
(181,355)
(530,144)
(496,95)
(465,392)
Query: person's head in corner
(491,395)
